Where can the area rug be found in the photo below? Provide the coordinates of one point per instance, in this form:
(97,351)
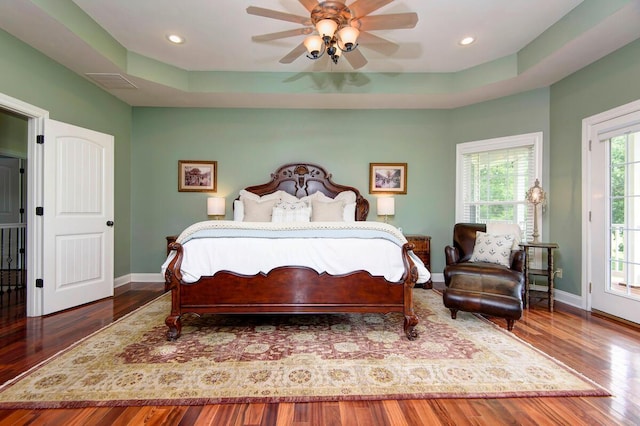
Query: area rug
(277,358)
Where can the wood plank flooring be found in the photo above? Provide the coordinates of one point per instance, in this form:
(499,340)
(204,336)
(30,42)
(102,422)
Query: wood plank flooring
(603,350)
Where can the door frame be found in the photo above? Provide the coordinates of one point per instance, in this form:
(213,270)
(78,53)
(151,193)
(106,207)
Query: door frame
(588,125)
(36,118)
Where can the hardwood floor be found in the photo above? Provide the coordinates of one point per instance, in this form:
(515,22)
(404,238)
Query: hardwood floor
(603,350)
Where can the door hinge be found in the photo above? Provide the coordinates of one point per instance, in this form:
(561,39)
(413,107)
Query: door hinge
(39,283)
(21,211)
(21,170)
(40,139)
(589,144)
(589,215)
(39,211)
(589,288)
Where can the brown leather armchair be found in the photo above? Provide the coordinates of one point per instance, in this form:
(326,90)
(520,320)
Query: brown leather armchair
(481,287)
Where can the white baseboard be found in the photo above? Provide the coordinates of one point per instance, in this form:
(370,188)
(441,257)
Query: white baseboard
(120,281)
(438,278)
(152,277)
(138,278)
(563,296)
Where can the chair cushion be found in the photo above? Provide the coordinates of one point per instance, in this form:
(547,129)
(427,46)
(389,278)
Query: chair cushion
(490,295)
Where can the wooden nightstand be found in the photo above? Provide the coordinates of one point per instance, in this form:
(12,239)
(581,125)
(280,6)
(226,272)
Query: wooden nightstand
(422,249)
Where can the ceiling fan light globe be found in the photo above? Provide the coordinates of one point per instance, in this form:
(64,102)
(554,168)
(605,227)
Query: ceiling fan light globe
(314,45)
(327,27)
(349,36)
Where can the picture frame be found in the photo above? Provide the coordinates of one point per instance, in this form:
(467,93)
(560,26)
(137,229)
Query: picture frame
(387,178)
(197,176)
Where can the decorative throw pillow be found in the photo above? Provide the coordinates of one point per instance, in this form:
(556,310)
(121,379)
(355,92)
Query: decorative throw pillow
(285,211)
(327,211)
(258,211)
(492,248)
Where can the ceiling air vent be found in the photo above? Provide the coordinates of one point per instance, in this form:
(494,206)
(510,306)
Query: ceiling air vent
(111,80)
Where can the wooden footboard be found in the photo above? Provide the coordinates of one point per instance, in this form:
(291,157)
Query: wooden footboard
(290,289)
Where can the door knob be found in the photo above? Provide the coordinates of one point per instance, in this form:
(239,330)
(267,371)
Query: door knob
(109,223)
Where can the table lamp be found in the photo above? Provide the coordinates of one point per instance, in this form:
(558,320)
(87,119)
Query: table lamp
(536,195)
(216,206)
(386,207)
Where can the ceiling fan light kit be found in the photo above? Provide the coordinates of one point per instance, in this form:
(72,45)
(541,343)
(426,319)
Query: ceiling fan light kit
(329,17)
(338,28)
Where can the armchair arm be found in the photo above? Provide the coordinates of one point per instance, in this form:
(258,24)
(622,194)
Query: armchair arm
(517,263)
(451,255)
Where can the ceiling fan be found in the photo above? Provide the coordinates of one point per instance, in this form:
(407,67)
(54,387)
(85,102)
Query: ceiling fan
(341,29)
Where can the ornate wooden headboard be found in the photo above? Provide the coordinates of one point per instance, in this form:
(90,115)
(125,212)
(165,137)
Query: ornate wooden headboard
(301,180)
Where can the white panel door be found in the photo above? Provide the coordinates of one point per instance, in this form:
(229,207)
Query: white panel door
(77,216)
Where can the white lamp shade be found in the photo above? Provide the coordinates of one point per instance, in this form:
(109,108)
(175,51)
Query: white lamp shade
(386,206)
(313,44)
(348,36)
(326,27)
(215,206)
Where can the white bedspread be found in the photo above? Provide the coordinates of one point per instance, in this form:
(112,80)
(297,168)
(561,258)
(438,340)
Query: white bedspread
(334,247)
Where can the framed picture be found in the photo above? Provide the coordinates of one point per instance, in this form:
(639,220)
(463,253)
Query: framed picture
(197,176)
(387,178)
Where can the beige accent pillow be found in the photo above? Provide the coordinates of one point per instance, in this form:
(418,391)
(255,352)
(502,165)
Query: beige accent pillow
(322,211)
(258,211)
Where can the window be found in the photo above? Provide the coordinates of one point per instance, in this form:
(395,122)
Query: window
(492,178)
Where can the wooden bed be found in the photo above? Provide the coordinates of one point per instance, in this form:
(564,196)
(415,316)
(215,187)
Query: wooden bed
(293,289)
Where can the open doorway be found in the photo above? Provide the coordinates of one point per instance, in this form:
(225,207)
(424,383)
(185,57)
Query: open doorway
(13,227)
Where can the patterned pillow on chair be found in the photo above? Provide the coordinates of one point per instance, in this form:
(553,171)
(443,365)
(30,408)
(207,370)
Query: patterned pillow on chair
(492,248)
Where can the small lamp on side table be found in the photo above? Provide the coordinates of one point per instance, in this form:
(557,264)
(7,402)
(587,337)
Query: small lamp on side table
(536,195)
(216,207)
(386,206)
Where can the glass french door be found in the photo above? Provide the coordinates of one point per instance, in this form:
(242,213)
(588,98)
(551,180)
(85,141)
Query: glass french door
(615,221)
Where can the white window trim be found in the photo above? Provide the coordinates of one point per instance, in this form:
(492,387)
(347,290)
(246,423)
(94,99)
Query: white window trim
(462,149)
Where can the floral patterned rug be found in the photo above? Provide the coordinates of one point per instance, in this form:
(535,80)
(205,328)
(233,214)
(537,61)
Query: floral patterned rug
(275,358)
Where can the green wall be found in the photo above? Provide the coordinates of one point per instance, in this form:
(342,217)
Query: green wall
(250,144)
(13,134)
(605,84)
(34,78)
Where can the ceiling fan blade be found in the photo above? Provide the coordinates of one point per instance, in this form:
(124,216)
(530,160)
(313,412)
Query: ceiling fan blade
(388,22)
(376,43)
(360,8)
(274,14)
(356,59)
(283,34)
(309,4)
(293,55)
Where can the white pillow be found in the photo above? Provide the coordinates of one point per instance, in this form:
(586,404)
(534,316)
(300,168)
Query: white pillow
(238,210)
(258,211)
(492,248)
(507,228)
(349,212)
(291,212)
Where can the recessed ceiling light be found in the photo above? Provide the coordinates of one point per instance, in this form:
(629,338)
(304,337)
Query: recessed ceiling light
(467,41)
(175,38)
